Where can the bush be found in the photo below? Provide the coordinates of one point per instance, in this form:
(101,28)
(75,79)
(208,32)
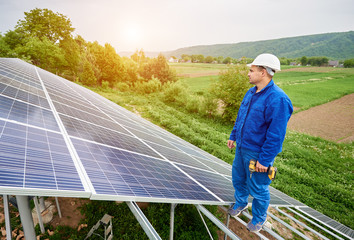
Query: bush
(153,85)
(230,89)
(121,86)
(173,91)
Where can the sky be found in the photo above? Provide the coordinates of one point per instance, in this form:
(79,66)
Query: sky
(166,25)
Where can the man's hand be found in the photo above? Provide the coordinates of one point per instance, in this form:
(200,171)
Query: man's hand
(230,144)
(260,167)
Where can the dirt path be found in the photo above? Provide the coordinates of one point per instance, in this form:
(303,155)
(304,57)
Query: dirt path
(333,121)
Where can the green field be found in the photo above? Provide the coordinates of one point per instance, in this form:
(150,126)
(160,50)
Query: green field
(312,87)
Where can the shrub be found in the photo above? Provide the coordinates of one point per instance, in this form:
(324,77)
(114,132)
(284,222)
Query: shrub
(173,91)
(121,86)
(153,85)
(230,89)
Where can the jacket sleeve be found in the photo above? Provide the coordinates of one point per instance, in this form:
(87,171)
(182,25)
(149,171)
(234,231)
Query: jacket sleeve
(278,113)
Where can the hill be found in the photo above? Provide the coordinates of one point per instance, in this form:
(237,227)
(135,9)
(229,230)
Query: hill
(337,46)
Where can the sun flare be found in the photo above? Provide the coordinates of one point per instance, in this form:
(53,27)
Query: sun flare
(132,34)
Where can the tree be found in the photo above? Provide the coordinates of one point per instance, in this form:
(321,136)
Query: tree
(227,60)
(349,63)
(303,61)
(158,67)
(230,89)
(88,75)
(42,53)
(209,59)
(44,23)
(71,50)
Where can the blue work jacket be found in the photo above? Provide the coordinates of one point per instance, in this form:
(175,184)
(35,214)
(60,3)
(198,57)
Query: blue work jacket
(261,122)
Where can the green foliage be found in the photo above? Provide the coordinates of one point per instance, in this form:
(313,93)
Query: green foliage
(349,63)
(230,89)
(158,68)
(172,91)
(45,24)
(154,85)
(88,77)
(42,53)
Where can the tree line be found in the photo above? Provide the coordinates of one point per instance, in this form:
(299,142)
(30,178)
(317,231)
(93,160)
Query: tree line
(45,39)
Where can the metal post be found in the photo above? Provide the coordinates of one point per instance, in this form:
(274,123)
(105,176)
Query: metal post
(39,215)
(217,222)
(144,222)
(227,225)
(7,217)
(58,206)
(41,203)
(172,219)
(26,217)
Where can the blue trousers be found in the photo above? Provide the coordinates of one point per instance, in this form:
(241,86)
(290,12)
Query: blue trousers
(257,186)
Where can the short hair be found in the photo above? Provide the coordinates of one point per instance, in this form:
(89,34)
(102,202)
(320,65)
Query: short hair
(269,70)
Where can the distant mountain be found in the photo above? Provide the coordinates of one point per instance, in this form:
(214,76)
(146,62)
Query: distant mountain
(336,46)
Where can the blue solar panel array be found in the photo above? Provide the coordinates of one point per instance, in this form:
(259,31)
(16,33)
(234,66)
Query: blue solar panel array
(58,136)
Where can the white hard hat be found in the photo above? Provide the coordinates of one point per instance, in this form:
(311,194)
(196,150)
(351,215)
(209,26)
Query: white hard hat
(266,60)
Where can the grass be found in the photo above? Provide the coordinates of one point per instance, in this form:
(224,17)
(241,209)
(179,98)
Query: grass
(199,84)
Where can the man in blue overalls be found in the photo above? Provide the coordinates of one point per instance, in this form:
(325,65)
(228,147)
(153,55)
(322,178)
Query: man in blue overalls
(259,133)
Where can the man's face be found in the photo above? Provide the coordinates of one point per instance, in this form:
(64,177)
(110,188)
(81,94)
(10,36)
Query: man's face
(255,75)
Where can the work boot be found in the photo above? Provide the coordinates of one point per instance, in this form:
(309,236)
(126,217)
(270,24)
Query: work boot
(255,228)
(235,212)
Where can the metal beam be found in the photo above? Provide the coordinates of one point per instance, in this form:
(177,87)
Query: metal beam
(144,222)
(288,226)
(39,214)
(58,206)
(26,217)
(217,222)
(314,223)
(7,217)
(172,219)
(302,224)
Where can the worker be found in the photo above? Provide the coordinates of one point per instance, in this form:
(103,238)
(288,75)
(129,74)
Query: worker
(259,132)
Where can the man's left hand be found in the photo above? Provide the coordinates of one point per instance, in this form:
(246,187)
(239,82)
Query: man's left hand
(260,167)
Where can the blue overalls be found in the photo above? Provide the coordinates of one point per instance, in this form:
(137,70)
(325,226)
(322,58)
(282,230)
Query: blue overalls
(259,133)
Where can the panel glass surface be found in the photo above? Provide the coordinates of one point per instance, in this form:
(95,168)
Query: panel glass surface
(121,173)
(35,158)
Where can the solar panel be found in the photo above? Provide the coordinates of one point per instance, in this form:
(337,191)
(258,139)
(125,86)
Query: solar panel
(60,139)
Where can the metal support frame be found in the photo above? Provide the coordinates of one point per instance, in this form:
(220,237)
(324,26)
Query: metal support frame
(144,222)
(41,203)
(172,219)
(58,206)
(302,224)
(288,226)
(324,223)
(245,224)
(268,230)
(206,226)
(314,223)
(26,217)
(7,217)
(227,225)
(39,214)
(217,222)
